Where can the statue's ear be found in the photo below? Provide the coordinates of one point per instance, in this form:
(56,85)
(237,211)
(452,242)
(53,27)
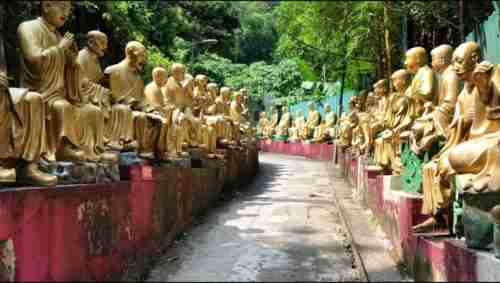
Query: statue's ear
(475,57)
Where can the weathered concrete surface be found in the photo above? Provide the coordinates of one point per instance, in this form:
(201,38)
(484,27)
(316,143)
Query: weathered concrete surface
(284,227)
(370,241)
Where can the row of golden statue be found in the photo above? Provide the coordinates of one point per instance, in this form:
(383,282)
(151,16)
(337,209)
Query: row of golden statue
(455,102)
(315,129)
(68,109)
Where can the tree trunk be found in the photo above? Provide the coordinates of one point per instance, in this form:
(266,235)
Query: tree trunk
(387,40)
(461,19)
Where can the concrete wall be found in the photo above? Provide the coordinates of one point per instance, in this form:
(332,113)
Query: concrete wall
(488,36)
(332,100)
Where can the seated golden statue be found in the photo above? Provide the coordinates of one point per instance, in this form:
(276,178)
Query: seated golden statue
(203,104)
(127,88)
(313,120)
(381,94)
(298,126)
(229,136)
(262,124)
(178,88)
(160,103)
(49,67)
(423,93)
(273,123)
(325,129)
(237,114)
(94,92)
(472,146)
(398,118)
(24,141)
(284,123)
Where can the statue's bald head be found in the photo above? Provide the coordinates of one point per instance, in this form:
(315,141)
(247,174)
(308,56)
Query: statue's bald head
(178,71)
(400,79)
(136,54)
(55,13)
(381,87)
(159,75)
(311,106)
(441,57)
(212,87)
(201,80)
(225,91)
(97,42)
(416,58)
(465,58)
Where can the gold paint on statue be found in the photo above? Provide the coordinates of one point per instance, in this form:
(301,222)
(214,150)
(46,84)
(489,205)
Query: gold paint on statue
(284,124)
(298,126)
(132,114)
(22,142)
(313,120)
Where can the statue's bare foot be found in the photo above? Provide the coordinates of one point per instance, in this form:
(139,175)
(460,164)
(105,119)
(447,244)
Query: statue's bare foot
(7,175)
(30,174)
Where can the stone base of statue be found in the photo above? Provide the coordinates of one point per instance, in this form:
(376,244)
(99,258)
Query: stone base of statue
(81,172)
(130,158)
(280,138)
(478,224)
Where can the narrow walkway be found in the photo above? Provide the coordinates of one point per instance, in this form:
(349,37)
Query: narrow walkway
(284,227)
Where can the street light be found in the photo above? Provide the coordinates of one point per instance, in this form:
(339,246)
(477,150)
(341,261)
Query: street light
(205,41)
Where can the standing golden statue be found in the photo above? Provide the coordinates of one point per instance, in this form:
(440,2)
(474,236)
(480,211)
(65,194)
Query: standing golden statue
(49,67)
(398,118)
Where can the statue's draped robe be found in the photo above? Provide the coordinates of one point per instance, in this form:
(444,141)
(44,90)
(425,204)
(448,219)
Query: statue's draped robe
(97,95)
(131,122)
(436,187)
(156,99)
(398,118)
(283,125)
(46,69)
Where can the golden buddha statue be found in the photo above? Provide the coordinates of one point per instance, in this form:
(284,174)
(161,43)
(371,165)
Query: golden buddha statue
(284,123)
(381,94)
(262,124)
(95,93)
(222,103)
(325,128)
(273,123)
(160,103)
(313,120)
(398,118)
(49,67)
(471,149)
(298,126)
(23,129)
(127,88)
(177,89)
(424,84)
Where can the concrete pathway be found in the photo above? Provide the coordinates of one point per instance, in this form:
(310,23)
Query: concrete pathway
(284,227)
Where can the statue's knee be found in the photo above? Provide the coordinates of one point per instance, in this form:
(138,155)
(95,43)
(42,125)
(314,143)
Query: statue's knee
(34,98)
(61,105)
(458,158)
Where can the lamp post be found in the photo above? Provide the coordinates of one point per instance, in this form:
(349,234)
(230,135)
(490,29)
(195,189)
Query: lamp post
(204,41)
